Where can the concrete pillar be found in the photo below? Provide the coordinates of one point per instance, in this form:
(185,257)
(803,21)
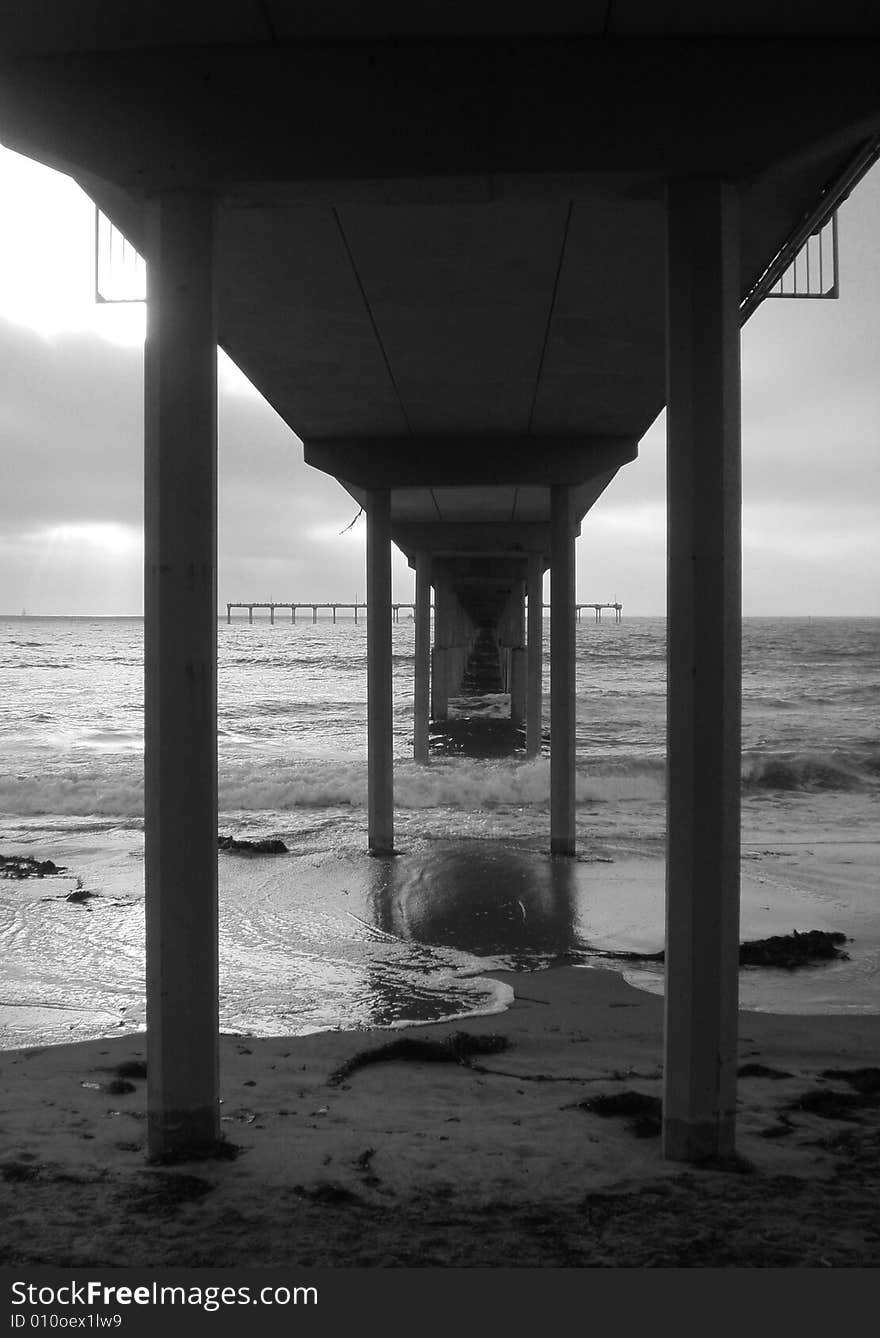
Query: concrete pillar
(534,688)
(562,678)
(272,614)
(180,678)
(422,669)
(518,677)
(250,613)
(703,671)
(440,655)
(380,780)
(439,683)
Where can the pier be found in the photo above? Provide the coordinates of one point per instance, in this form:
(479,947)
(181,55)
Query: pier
(469,305)
(336,606)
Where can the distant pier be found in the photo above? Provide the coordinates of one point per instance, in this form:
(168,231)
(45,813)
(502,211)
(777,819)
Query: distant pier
(308,606)
(337,606)
(615,608)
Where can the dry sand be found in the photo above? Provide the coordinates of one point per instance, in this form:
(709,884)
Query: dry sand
(412,1163)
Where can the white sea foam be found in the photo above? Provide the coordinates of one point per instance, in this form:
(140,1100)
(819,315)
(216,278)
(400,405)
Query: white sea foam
(113,785)
(280,786)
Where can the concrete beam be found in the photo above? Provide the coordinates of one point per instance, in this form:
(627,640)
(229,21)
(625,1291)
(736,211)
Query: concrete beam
(380,741)
(704,671)
(461,461)
(562,675)
(450,539)
(180,680)
(218,115)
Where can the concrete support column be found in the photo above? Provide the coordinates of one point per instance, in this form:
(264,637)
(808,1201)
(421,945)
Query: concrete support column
(440,655)
(422,669)
(440,682)
(380,767)
(534,692)
(180,678)
(562,676)
(518,677)
(704,671)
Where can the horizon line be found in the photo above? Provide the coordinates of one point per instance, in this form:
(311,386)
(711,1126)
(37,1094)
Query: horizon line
(24,615)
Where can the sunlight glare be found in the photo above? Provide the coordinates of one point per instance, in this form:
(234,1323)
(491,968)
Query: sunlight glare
(106,539)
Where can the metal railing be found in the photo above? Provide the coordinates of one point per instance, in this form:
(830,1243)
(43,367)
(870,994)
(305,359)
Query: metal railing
(120,270)
(814,272)
(832,196)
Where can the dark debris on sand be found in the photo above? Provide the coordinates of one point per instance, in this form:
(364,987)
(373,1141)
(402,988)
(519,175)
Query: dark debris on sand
(459,1048)
(793,950)
(761,1071)
(164,1192)
(267,845)
(23,866)
(788,951)
(831,1105)
(80,895)
(131,1068)
(645,1111)
(865,1081)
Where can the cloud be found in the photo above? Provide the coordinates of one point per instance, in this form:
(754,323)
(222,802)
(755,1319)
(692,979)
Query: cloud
(71,444)
(71,448)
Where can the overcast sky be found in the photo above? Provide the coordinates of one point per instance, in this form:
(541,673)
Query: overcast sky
(71,416)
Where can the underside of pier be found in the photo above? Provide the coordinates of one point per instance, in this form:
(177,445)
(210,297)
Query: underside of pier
(468,254)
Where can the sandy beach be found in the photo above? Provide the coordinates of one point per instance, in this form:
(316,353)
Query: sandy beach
(489,1160)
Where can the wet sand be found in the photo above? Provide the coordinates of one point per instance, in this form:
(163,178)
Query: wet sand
(492,1163)
(326,937)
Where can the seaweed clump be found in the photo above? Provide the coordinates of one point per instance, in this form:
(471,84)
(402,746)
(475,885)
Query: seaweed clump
(865,1081)
(783,950)
(267,845)
(645,1111)
(793,950)
(23,866)
(459,1048)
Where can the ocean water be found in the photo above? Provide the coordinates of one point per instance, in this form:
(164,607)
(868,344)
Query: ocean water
(327,937)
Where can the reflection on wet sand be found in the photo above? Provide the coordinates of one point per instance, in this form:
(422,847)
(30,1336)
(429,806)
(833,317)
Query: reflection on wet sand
(479,896)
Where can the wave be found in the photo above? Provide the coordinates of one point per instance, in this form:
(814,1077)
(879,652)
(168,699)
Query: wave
(73,794)
(811,772)
(111,785)
(117,791)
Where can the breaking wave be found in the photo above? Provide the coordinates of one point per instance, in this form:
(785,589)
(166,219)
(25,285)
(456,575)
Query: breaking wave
(112,785)
(117,790)
(812,771)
